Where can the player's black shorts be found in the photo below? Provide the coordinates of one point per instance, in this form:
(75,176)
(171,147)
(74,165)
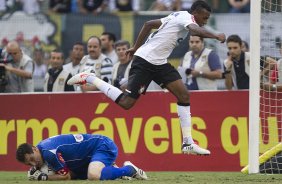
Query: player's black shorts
(142,73)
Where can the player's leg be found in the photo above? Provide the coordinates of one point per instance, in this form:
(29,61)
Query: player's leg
(171,79)
(183,108)
(138,81)
(109,90)
(94,170)
(101,165)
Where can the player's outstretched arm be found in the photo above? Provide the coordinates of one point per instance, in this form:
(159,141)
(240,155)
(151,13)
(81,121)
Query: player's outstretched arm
(145,31)
(57,177)
(202,32)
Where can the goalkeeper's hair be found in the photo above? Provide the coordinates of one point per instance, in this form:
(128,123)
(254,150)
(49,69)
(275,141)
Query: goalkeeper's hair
(23,149)
(198,5)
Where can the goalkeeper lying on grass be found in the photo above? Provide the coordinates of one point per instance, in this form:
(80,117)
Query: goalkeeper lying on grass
(76,156)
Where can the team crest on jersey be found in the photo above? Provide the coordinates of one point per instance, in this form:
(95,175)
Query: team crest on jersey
(204,58)
(78,137)
(59,155)
(98,66)
(61,81)
(141,90)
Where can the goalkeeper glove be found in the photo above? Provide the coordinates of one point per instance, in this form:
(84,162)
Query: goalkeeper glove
(34,174)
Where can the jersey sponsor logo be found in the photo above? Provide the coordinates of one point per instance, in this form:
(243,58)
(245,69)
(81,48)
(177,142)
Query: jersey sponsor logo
(78,137)
(60,157)
(63,171)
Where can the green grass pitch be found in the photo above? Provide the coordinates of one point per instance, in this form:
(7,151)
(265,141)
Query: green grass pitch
(162,177)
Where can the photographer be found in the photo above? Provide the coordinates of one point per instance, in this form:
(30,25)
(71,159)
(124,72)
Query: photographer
(200,67)
(19,72)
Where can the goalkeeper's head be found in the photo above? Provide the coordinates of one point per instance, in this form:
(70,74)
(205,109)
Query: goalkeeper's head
(29,155)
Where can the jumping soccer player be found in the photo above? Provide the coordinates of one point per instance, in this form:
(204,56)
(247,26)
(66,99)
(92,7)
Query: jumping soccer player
(76,156)
(150,63)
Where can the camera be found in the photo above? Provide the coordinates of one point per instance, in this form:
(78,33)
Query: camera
(4,59)
(188,71)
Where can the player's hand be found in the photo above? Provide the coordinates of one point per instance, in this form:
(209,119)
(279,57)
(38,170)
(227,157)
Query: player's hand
(34,174)
(268,87)
(130,52)
(229,64)
(221,37)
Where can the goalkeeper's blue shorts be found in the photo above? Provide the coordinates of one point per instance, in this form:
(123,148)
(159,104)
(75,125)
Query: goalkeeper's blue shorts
(106,153)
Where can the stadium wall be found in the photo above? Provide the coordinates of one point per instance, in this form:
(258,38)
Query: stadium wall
(149,134)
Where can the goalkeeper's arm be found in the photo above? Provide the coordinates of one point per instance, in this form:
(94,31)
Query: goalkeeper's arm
(59,177)
(63,174)
(34,174)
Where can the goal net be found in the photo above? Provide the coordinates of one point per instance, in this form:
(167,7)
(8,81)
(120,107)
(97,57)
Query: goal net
(270,143)
(268,127)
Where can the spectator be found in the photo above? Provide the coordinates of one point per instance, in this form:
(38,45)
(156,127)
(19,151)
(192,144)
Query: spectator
(19,72)
(76,56)
(237,65)
(3,6)
(96,61)
(23,43)
(36,43)
(268,67)
(74,8)
(4,42)
(239,6)
(201,66)
(107,40)
(184,4)
(163,5)
(56,78)
(125,5)
(91,6)
(30,6)
(9,6)
(171,5)
(40,70)
(121,68)
(273,70)
(60,6)
(275,85)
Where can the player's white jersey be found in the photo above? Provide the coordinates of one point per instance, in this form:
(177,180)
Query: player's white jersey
(161,43)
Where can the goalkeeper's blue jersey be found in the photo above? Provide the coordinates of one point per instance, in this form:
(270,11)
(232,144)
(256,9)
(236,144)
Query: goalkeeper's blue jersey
(74,152)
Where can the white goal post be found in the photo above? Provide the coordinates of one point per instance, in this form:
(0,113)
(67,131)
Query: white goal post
(254,96)
(265,93)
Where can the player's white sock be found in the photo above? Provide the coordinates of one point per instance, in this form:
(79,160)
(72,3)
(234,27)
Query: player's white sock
(185,121)
(109,90)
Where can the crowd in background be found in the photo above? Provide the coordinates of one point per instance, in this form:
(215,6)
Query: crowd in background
(200,68)
(98,6)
